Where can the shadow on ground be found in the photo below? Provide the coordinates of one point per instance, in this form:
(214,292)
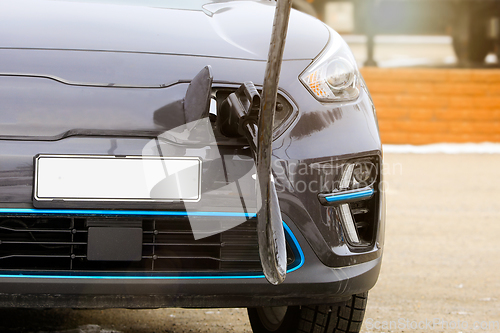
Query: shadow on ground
(122,320)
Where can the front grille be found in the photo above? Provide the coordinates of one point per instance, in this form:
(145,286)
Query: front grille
(60,244)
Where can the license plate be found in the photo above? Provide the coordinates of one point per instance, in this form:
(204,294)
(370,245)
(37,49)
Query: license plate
(110,178)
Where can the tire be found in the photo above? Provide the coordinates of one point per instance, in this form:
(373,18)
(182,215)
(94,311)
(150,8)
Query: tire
(346,318)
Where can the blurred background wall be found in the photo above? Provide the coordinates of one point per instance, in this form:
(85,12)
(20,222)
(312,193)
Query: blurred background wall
(432,66)
(423,106)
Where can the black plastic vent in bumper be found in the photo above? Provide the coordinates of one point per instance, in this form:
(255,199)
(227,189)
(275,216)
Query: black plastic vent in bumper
(60,244)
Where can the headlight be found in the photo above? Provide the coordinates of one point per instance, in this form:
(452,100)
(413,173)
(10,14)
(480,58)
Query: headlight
(333,76)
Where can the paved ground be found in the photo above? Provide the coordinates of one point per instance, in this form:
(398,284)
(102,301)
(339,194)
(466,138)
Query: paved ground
(441,257)
(441,260)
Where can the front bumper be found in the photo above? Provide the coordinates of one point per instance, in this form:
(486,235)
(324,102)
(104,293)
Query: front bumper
(312,283)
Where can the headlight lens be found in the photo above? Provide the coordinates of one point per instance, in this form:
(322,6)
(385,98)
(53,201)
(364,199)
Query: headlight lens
(333,76)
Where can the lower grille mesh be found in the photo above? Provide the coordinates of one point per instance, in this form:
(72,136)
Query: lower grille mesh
(60,244)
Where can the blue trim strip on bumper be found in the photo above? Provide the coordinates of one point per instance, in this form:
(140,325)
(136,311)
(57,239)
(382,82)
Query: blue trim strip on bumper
(292,240)
(83,212)
(350,196)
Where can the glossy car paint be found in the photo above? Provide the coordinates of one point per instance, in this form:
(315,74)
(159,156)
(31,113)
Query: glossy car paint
(80,78)
(220,29)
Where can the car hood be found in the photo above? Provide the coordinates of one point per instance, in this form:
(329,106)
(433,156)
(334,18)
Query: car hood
(98,67)
(234,29)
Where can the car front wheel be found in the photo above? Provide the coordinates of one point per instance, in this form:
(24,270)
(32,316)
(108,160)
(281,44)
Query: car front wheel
(346,318)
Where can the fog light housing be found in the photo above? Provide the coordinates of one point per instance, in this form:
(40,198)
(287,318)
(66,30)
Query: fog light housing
(350,189)
(365,173)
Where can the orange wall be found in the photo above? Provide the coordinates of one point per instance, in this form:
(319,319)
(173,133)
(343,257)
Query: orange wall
(422,106)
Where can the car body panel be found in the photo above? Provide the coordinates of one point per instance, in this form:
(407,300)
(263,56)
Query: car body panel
(231,29)
(80,78)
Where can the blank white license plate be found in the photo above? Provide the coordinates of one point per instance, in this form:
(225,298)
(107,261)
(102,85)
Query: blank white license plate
(110,178)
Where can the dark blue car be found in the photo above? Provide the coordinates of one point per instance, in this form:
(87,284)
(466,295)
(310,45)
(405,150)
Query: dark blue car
(126,182)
